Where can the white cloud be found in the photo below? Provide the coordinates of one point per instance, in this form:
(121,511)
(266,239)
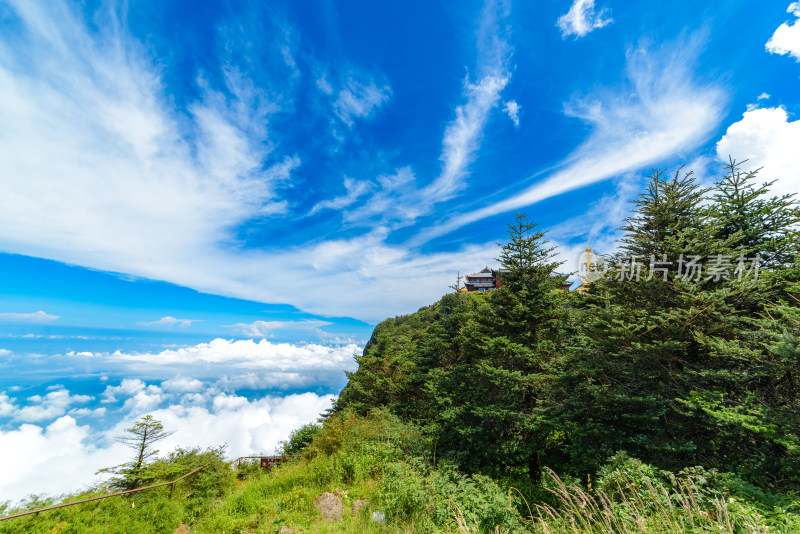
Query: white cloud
(355,190)
(786,39)
(764,96)
(35,317)
(170,321)
(112,180)
(512,110)
(182,385)
(150,379)
(247,354)
(227,364)
(5,352)
(358,100)
(463,135)
(64,456)
(54,459)
(49,406)
(582,19)
(268,328)
(766,138)
(324,85)
(7,406)
(661,112)
(84,412)
(398,201)
(129,387)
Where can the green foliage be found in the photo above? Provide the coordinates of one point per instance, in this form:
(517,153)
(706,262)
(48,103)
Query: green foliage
(665,404)
(471,370)
(749,221)
(526,261)
(140,438)
(299,439)
(201,488)
(411,491)
(148,511)
(386,461)
(671,370)
(632,496)
(682,372)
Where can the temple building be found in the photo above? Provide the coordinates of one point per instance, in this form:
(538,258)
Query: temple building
(490,279)
(485,280)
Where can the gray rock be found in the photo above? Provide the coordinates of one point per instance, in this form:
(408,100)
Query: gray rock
(286,530)
(183,529)
(379,517)
(329,506)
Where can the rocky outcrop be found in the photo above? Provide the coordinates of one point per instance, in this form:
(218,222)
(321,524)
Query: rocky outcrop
(329,506)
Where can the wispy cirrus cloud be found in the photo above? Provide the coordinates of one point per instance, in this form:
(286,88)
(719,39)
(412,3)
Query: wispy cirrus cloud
(354,190)
(356,96)
(463,135)
(399,199)
(512,110)
(34,317)
(661,111)
(786,38)
(582,19)
(358,100)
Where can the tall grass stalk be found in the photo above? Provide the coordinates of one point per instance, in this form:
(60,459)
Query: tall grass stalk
(652,509)
(630,509)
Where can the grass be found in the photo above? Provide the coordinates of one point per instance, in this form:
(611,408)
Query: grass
(384,460)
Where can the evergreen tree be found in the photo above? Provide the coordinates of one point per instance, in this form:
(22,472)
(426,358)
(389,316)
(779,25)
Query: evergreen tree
(485,399)
(748,221)
(457,286)
(680,370)
(140,437)
(667,218)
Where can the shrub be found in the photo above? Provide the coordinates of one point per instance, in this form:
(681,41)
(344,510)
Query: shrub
(299,439)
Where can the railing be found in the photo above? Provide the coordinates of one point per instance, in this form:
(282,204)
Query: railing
(267,462)
(3,518)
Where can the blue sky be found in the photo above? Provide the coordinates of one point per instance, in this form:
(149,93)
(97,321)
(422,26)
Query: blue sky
(206,207)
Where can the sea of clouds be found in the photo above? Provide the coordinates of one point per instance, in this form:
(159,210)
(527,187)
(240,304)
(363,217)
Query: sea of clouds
(56,432)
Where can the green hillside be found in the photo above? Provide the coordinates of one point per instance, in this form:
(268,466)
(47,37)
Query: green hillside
(390,464)
(655,400)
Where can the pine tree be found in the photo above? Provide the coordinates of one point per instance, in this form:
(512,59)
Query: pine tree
(525,257)
(682,370)
(140,437)
(667,217)
(457,286)
(748,221)
(485,399)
